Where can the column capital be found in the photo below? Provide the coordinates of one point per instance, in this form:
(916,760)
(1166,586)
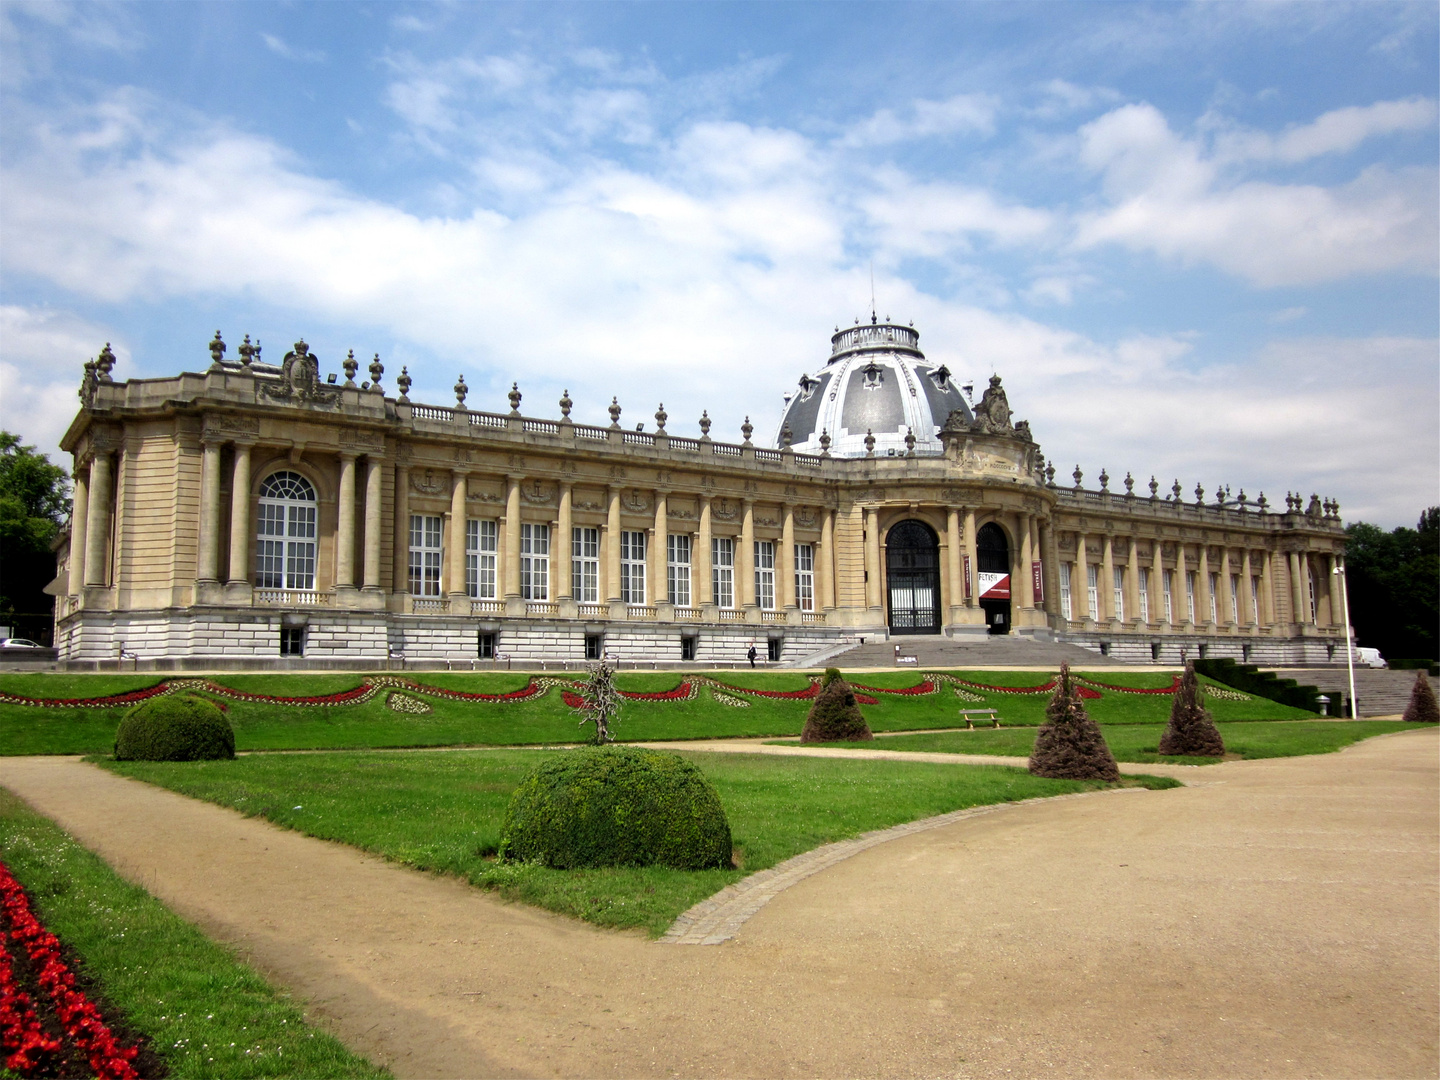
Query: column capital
(347,454)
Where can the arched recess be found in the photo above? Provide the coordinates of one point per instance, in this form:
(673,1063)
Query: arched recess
(285,532)
(992,553)
(912,587)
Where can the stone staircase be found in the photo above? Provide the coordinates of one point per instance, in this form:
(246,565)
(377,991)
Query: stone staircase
(981,652)
(1382,692)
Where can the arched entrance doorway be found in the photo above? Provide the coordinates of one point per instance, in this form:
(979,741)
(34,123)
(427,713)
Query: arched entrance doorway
(992,552)
(912,556)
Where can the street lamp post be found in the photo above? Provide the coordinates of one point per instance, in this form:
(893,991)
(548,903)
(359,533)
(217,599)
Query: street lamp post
(1349,652)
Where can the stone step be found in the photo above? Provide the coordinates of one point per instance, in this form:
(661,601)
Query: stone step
(1382,692)
(980,652)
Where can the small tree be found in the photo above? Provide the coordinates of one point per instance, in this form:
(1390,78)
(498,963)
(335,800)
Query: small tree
(835,715)
(601,702)
(1191,731)
(1423,707)
(1069,745)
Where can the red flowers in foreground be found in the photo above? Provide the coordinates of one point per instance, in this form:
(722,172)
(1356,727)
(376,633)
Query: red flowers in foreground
(28,1049)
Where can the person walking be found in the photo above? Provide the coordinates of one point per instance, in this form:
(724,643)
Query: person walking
(751,654)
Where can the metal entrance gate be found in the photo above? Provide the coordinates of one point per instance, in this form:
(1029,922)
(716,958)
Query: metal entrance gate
(912,556)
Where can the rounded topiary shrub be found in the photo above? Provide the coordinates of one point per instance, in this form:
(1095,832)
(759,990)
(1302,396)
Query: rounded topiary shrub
(173,728)
(617,806)
(835,715)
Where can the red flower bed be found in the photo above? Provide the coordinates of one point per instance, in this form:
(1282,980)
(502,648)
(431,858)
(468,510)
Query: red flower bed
(1043,688)
(866,699)
(1136,689)
(926,687)
(128,698)
(684,692)
(344,697)
(28,1050)
(78,1016)
(572,700)
(813,690)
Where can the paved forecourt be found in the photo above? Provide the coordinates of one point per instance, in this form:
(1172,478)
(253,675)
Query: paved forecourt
(1277,918)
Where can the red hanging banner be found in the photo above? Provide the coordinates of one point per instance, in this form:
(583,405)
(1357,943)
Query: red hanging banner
(1039,580)
(966,558)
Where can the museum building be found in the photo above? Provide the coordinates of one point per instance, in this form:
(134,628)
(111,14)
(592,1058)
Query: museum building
(265,514)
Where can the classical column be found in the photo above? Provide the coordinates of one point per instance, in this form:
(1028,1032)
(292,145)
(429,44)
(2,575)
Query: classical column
(612,550)
(345,525)
(660,545)
(373,495)
(562,547)
(704,587)
(511,554)
(1182,585)
(1107,579)
(1249,617)
(1024,588)
(1157,581)
(1132,582)
(1337,608)
(1298,598)
(401,569)
(455,540)
(970,551)
(787,559)
(1080,581)
(240,516)
(79,508)
(1203,598)
(208,551)
(872,558)
(745,557)
(97,519)
(1267,589)
(952,562)
(1227,602)
(825,561)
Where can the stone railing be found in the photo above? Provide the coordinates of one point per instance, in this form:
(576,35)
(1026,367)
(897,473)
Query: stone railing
(292,598)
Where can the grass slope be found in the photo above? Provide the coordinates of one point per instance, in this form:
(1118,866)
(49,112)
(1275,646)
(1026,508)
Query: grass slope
(443,812)
(1138,742)
(546,720)
(205,1014)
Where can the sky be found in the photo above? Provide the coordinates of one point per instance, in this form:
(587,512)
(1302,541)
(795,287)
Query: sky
(1197,241)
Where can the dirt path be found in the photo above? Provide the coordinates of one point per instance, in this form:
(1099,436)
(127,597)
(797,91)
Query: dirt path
(1278,919)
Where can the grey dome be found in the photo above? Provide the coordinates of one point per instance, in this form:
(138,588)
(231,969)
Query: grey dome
(876,380)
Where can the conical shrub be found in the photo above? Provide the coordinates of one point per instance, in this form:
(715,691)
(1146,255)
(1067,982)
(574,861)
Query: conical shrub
(1423,708)
(1191,731)
(1069,745)
(835,714)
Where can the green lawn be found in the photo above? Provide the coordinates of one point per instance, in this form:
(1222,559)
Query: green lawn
(443,811)
(1138,742)
(545,720)
(205,1014)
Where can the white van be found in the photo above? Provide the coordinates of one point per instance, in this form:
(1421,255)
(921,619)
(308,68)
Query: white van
(1369,657)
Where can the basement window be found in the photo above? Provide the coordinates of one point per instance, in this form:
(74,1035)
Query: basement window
(292,641)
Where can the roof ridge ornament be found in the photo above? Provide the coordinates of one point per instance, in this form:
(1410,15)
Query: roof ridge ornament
(299,381)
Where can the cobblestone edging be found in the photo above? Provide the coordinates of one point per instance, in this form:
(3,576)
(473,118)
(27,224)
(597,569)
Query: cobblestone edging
(718,918)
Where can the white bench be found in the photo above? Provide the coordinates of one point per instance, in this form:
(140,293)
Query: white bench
(970,715)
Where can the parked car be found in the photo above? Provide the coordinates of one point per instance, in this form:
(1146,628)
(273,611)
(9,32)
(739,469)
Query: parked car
(19,643)
(1369,657)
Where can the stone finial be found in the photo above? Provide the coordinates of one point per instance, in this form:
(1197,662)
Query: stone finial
(377,369)
(1335,509)
(1050,475)
(909,441)
(1242,500)
(1313,510)
(350,365)
(824,443)
(1154,487)
(869,443)
(1175,490)
(660,417)
(514,397)
(87,382)
(1104,480)
(1078,475)
(746,430)
(217,351)
(1199,495)
(105,364)
(705,423)
(1221,492)
(614,411)
(1262,502)
(246,351)
(1129,485)
(787,436)
(460,391)
(403,382)
(565,404)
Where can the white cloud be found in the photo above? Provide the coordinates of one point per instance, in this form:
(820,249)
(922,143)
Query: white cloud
(1167,197)
(935,218)
(279,47)
(1337,132)
(963,113)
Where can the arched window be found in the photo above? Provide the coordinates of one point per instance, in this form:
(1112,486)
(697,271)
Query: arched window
(912,557)
(285,533)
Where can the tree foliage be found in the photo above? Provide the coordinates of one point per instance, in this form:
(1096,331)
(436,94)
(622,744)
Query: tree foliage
(601,705)
(835,715)
(1393,580)
(1191,731)
(1423,708)
(34,498)
(1069,745)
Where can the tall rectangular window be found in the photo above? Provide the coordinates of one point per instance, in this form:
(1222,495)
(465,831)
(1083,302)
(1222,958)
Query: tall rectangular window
(765,574)
(1065,609)
(805,576)
(482,538)
(1169,596)
(722,570)
(585,564)
(425,555)
(1190,594)
(632,567)
(1255,598)
(1314,609)
(535,562)
(1235,598)
(1119,594)
(1214,598)
(677,568)
(1143,586)
(1092,587)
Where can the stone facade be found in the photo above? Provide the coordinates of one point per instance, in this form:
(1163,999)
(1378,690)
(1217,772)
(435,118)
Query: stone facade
(254,514)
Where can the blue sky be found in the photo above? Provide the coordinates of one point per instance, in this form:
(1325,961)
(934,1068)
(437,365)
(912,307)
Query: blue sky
(1198,241)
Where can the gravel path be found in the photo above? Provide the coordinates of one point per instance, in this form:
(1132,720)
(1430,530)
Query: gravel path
(1279,918)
